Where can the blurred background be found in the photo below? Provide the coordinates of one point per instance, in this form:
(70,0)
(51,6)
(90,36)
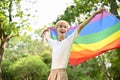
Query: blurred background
(23,57)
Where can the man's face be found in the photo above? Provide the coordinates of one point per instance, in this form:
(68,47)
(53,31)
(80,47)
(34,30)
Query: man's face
(62,29)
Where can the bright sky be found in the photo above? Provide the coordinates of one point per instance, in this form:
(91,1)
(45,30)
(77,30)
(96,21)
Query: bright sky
(45,11)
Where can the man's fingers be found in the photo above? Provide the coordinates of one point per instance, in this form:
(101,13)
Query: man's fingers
(44,32)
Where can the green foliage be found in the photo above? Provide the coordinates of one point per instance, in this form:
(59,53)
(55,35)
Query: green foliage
(79,8)
(26,53)
(11,18)
(24,45)
(25,58)
(16,60)
(6,72)
(115,68)
(84,8)
(30,67)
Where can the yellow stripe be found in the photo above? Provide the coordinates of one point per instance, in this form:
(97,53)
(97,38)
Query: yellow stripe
(97,45)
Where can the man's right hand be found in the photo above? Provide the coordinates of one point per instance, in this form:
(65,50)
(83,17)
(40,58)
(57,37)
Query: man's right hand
(44,34)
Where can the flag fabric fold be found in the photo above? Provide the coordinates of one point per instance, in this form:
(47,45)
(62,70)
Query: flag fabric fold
(100,35)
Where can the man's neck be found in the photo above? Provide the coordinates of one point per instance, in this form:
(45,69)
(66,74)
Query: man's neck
(60,38)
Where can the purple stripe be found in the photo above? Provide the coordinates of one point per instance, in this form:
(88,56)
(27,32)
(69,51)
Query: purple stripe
(96,18)
(100,16)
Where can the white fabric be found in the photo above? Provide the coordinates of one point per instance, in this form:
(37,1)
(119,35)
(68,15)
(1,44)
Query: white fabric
(61,50)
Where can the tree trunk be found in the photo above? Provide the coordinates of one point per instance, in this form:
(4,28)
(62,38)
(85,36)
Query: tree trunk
(113,5)
(1,54)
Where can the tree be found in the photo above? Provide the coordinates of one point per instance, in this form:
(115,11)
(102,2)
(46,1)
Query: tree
(85,7)
(27,48)
(115,67)
(8,27)
(29,68)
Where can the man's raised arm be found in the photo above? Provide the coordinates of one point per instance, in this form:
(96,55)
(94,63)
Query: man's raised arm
(82,25)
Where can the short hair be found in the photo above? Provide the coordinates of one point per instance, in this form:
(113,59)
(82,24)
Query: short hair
(62,22)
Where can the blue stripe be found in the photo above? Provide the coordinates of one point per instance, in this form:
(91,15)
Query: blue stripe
(53,32)
(97,26)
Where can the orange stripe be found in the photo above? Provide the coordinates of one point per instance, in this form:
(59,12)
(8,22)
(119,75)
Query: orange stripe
(76,61)
(85,53)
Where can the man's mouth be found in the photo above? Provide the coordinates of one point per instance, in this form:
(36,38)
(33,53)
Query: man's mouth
(62,31)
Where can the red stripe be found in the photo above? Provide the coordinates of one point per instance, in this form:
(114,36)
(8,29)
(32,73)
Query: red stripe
(81,56)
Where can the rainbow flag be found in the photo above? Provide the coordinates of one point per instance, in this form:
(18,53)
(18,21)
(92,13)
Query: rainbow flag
(100,35)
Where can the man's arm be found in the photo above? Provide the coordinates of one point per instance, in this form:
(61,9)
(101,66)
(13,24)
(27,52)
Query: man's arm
(45,35)
(82,25)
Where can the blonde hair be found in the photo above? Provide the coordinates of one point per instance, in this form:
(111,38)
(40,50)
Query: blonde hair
(62,22)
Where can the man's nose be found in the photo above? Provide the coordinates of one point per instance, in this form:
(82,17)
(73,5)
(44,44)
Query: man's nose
(63,28)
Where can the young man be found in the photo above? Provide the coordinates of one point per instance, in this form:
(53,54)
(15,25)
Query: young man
(61,47)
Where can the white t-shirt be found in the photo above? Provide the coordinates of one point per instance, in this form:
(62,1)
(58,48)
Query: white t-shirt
(61,50)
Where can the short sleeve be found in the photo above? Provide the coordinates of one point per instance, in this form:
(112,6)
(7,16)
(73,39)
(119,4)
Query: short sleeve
(51,42)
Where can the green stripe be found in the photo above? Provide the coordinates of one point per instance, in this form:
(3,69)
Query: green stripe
(95,37)
(54,37)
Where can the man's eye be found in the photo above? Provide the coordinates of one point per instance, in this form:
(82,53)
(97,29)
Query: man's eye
(60,26)
(65,27)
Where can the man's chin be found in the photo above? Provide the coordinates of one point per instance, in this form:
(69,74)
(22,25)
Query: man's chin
(62,34)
